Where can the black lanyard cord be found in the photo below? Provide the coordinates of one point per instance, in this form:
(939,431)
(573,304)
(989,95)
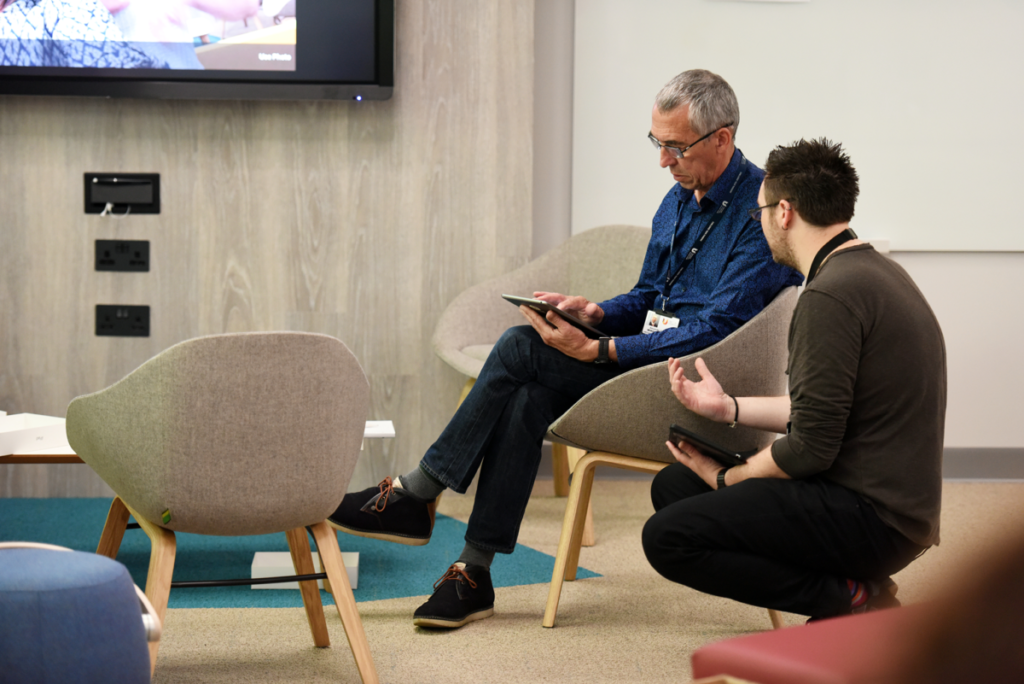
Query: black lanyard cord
(670,280)
(839,239)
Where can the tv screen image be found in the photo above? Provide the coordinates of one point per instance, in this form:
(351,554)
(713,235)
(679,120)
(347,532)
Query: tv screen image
(245,49)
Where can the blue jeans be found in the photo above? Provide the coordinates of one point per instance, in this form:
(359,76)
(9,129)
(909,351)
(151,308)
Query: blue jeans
(499,428)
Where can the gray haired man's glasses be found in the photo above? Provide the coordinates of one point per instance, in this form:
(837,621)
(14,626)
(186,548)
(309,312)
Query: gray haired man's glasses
(679,152)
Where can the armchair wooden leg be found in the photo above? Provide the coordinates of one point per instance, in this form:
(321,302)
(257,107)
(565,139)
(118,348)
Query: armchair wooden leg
(327,543)
(560,468)
(776,618)
(327,581)
(113,529)
(583,516)
(302,560)
(465,391)
(161,569)
(588,527)
(573,456)
(575,512)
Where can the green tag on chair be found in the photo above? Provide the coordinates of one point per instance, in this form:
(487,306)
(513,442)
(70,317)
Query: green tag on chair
(166,516)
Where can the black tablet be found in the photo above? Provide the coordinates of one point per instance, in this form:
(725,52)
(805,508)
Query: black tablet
(542,307)
(724,456)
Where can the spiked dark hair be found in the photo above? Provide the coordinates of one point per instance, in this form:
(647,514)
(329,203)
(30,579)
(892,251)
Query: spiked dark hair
(816,177)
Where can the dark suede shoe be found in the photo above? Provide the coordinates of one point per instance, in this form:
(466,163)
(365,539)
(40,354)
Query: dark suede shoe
(463,594)
(881,595)
(378,513)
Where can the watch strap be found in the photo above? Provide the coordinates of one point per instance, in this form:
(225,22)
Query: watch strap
(721,478)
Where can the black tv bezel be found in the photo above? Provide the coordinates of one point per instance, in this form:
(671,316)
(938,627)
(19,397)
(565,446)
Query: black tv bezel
(381,88)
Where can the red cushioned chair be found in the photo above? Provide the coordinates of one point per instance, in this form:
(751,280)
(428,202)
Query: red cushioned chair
(848,650)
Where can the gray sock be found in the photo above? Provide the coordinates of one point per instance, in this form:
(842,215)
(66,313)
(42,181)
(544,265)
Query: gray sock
(420,484)
(471,555)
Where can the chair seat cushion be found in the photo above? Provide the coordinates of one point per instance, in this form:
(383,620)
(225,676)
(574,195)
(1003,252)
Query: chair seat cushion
(69,617)
(470,360)
(846,650)
(480,352)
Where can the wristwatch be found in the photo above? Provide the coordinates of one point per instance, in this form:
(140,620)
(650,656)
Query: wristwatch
(602,350)
(721,477)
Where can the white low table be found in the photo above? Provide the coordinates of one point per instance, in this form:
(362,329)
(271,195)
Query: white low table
(59,451)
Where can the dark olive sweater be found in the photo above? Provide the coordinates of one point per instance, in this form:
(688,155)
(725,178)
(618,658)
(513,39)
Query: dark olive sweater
(867,378)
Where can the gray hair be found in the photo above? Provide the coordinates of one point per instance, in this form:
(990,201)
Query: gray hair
(712,101)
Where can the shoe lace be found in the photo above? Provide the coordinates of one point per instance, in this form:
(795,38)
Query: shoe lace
(455,573)
(386,487)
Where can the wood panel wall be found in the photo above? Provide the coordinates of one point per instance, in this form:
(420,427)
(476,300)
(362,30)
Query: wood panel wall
(361,221)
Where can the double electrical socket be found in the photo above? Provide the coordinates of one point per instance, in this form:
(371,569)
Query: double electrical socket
(122,255)
(115,320)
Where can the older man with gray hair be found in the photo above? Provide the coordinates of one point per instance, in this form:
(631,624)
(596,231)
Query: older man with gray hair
(708,270)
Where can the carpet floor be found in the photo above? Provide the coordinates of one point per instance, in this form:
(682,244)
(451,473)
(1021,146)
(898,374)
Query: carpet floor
(386,571)
(629,624)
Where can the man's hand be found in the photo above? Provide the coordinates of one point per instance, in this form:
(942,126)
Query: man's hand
(580,307)
(704,466)
(565,337)
(705,398)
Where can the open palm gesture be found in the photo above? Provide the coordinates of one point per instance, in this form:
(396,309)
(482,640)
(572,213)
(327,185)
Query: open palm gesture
(705,398)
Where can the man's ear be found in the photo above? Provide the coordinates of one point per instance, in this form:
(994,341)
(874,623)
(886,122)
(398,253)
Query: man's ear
(723,137)
(788,214)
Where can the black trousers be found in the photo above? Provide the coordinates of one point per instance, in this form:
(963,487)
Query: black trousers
(783,544)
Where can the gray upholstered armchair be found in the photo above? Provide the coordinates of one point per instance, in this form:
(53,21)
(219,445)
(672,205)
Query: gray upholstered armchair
(598,264)
(233,435)
(624,422)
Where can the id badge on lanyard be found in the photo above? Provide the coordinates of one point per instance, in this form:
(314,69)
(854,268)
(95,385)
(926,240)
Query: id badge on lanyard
(658,320)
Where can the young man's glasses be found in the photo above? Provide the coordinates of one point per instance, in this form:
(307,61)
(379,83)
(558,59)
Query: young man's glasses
(677,152)
(755,213)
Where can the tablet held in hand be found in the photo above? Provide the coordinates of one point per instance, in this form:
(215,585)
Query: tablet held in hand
(542,307)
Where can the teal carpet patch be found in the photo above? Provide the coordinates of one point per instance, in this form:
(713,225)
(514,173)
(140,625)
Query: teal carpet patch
(386,570)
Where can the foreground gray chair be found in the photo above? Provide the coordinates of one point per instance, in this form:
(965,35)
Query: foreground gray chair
(233,435)
(598,264)
(624,422)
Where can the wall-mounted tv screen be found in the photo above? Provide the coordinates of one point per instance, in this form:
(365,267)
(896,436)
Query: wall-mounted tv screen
(198,49)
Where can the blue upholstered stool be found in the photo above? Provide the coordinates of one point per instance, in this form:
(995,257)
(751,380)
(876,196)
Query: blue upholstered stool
(68,616)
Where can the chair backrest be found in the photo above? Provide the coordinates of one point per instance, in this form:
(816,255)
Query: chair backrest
(606,261)
(229,434)
(598,263)
(630,414)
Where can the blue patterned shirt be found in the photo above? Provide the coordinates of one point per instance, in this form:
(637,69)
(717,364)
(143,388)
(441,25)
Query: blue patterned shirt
(731,279)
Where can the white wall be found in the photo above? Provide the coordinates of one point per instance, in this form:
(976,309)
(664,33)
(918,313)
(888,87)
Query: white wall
(926,95)
(977,299)
(955,194)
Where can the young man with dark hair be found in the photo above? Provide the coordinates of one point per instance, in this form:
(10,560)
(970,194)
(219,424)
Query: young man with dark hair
(816,523)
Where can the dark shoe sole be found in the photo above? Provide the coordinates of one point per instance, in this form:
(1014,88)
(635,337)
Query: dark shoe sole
(448,623)
(391,536)
(383,536)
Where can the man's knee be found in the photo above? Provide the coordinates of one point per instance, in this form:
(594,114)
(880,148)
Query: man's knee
(667,544)
(675,483)
(517,335)
(514,346)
